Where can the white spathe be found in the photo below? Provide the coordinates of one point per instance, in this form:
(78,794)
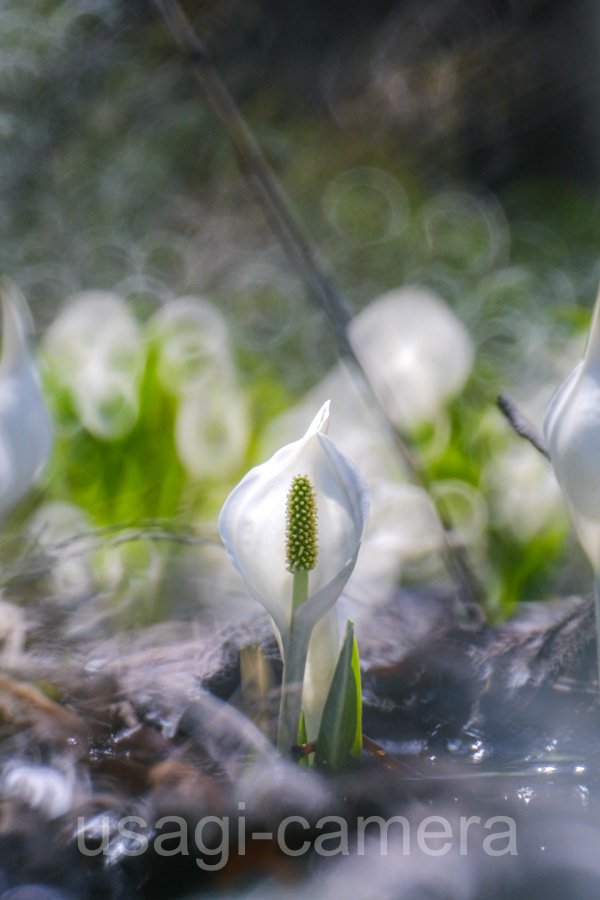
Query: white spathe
(25,430)
(253,528)
(253,520)
(572,431)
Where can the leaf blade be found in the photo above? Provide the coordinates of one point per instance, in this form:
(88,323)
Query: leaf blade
(340,732)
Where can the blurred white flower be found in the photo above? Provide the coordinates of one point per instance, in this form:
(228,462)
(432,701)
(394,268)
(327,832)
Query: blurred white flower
(25,431)
(417,355)
(14,625)
(194,344)
(95,350)
(414,350)
(212,430)
(253,527)
(525,496)
(195,365)
(403,527)
(572,430)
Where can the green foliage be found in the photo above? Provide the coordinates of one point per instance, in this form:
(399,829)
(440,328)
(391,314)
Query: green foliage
(136,477)
(340,732)
(523,568)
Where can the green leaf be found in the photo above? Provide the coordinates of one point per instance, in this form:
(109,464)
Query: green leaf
(302,738)
(340,732)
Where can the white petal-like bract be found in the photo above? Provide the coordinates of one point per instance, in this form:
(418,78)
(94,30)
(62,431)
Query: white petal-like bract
(572,430)
(25,430)
(253,518)
(253,528)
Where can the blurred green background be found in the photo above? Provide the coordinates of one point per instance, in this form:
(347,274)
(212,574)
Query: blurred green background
(446,145)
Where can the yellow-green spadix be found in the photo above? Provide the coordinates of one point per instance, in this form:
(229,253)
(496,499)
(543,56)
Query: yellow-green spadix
(254,528)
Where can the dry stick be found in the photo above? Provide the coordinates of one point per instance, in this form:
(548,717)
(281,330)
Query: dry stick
(303,257)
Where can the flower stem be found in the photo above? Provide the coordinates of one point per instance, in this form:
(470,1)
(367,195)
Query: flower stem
(299,591)
(597,598)
(323,652)
(290,708)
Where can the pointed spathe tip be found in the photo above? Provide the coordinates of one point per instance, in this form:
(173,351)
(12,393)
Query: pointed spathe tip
(591,357)
(17,323)
(320,423)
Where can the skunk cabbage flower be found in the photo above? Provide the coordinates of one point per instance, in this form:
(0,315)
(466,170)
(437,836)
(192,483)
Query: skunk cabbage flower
(194,344)
(572,431)
(195,366)
(211,430)
(25,432)
(269,530)
(94,349)
(415,351)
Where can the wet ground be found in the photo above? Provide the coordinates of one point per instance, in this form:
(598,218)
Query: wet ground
(481,770)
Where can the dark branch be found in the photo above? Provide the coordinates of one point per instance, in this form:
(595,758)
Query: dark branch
(520,424)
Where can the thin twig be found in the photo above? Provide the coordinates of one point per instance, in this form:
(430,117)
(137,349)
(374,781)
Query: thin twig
(303,257)
(520,424)
(377,752)
(299,751)
(38,559)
